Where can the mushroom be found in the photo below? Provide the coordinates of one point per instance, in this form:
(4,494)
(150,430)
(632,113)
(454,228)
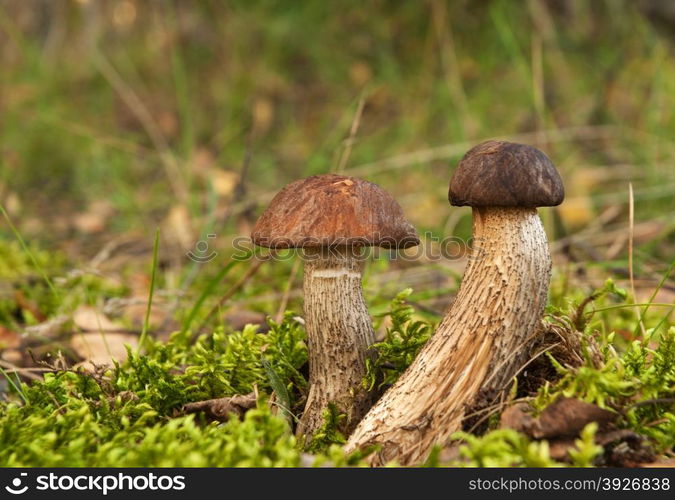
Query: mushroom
(484,337)
(332,218)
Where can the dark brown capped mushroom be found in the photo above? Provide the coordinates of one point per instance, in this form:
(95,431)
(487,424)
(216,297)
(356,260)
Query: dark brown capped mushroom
(331,218)
(505,174)
(483,340)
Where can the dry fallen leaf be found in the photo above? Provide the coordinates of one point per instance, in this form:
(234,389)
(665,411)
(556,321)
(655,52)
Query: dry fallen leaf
(9,339)
(517,417)
(360,73)
(201,160)
(88,319)
(12,203)
(666,462)
(12,356)
(238,319)
(178,227)
(576,212)
(565,417)
(94,219)
(102,348)
(224,182)
(103,339)
(263,114)
(559,448)
(135,314)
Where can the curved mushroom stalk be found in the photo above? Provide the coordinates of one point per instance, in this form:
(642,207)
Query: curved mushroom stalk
(479,345)
(339,333)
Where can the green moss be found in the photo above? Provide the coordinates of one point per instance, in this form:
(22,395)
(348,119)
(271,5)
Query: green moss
(123,417)
(639,383)
(508,448)
(129,414)
(131,435)
(329,433)
(404,339)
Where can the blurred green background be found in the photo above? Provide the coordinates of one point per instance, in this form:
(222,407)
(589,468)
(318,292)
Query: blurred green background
(120,116)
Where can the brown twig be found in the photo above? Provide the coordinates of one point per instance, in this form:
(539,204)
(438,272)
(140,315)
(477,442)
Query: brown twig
(25,372)
(655,401)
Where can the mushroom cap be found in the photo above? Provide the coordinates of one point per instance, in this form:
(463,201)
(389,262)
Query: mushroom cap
(333,210)
(505,174)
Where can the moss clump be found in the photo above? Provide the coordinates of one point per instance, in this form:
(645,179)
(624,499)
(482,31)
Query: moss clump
(508,448)
(638,383)
(404,339)
(123,416)
(132,435)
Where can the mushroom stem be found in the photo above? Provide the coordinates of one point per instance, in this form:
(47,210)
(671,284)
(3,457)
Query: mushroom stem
(339,333)
(478,346)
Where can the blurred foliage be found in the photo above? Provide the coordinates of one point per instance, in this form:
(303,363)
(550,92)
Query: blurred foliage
(101,97)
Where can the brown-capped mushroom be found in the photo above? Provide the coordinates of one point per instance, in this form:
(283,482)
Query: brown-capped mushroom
(482,340)
(332,219)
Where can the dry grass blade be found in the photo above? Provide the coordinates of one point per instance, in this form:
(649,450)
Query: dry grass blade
(24,372)
(631,233)
(349,141)
(141,112)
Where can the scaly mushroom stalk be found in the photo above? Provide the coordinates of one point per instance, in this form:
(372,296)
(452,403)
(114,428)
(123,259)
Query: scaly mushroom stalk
(477,347)
(339,334)
(483,339)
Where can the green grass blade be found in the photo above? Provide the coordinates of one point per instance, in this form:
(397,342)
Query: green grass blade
(653,295)
(279,388)
(208,290)
(153,278)
(624,306)
(38,268)
(17,388)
